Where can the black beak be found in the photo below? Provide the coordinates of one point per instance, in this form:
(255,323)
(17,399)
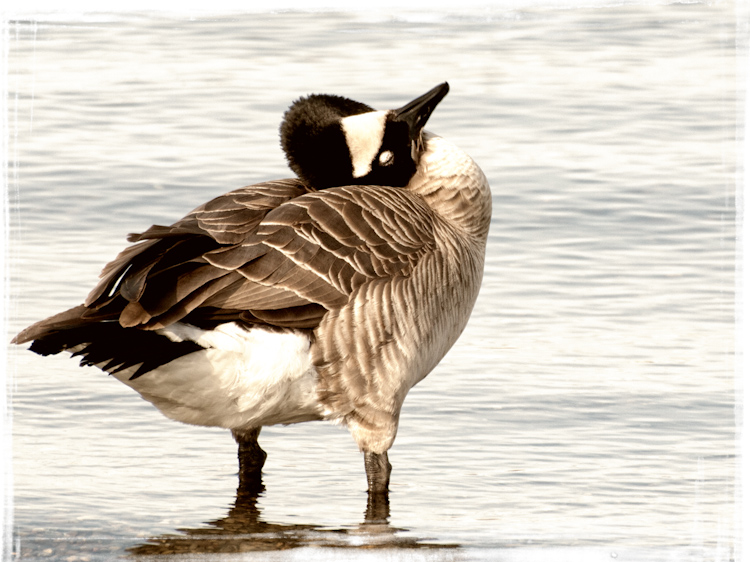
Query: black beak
(418,111)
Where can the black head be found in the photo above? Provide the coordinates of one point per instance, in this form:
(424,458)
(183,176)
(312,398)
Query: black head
(331,141)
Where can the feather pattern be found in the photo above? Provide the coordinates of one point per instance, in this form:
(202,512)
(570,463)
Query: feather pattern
(382,279)
(311,252)
(395,329)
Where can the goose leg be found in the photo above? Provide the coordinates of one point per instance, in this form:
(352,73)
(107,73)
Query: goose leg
(378,471)
(251,458)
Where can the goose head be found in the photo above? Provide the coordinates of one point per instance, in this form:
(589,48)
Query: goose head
(331,140)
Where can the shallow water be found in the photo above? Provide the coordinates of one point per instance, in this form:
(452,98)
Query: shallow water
(587,412)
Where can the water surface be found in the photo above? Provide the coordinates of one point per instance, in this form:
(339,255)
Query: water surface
(586,413)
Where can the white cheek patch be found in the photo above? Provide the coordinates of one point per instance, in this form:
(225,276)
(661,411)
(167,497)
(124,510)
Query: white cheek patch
(364,135)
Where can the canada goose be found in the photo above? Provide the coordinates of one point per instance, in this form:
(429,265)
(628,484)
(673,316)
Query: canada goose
(327,296)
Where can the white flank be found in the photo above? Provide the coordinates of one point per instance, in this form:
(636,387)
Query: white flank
(243,379)
(364,135)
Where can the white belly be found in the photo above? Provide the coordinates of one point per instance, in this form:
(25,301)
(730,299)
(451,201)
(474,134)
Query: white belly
(243,379)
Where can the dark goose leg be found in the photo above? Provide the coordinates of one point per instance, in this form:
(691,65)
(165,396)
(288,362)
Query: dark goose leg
(378,471)
(251,457)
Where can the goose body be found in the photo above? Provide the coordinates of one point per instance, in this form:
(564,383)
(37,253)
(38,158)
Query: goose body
(326,296)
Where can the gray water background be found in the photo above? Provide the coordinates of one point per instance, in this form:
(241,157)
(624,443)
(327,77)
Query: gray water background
(587,412)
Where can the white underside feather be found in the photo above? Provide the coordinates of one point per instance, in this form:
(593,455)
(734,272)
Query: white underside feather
(243,379)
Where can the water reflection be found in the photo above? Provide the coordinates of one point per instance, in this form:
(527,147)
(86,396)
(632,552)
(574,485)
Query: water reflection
(244,530)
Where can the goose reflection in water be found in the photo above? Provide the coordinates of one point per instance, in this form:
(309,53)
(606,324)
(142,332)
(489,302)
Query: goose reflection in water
(243,530)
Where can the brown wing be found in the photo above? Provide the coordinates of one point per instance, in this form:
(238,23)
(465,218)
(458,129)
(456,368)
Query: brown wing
(165,276)
(168,260)
(273,253)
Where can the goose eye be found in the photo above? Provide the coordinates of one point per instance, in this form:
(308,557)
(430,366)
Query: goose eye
(386,158)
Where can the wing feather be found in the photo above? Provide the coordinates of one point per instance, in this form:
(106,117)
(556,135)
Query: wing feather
(273,253)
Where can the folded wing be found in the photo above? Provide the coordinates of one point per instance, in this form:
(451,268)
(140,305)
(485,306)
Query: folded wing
(274,254)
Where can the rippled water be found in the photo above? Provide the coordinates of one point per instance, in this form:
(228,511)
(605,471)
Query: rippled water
(587,412)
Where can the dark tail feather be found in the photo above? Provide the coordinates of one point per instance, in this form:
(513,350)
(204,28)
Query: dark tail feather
(67,320)
(101,341)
